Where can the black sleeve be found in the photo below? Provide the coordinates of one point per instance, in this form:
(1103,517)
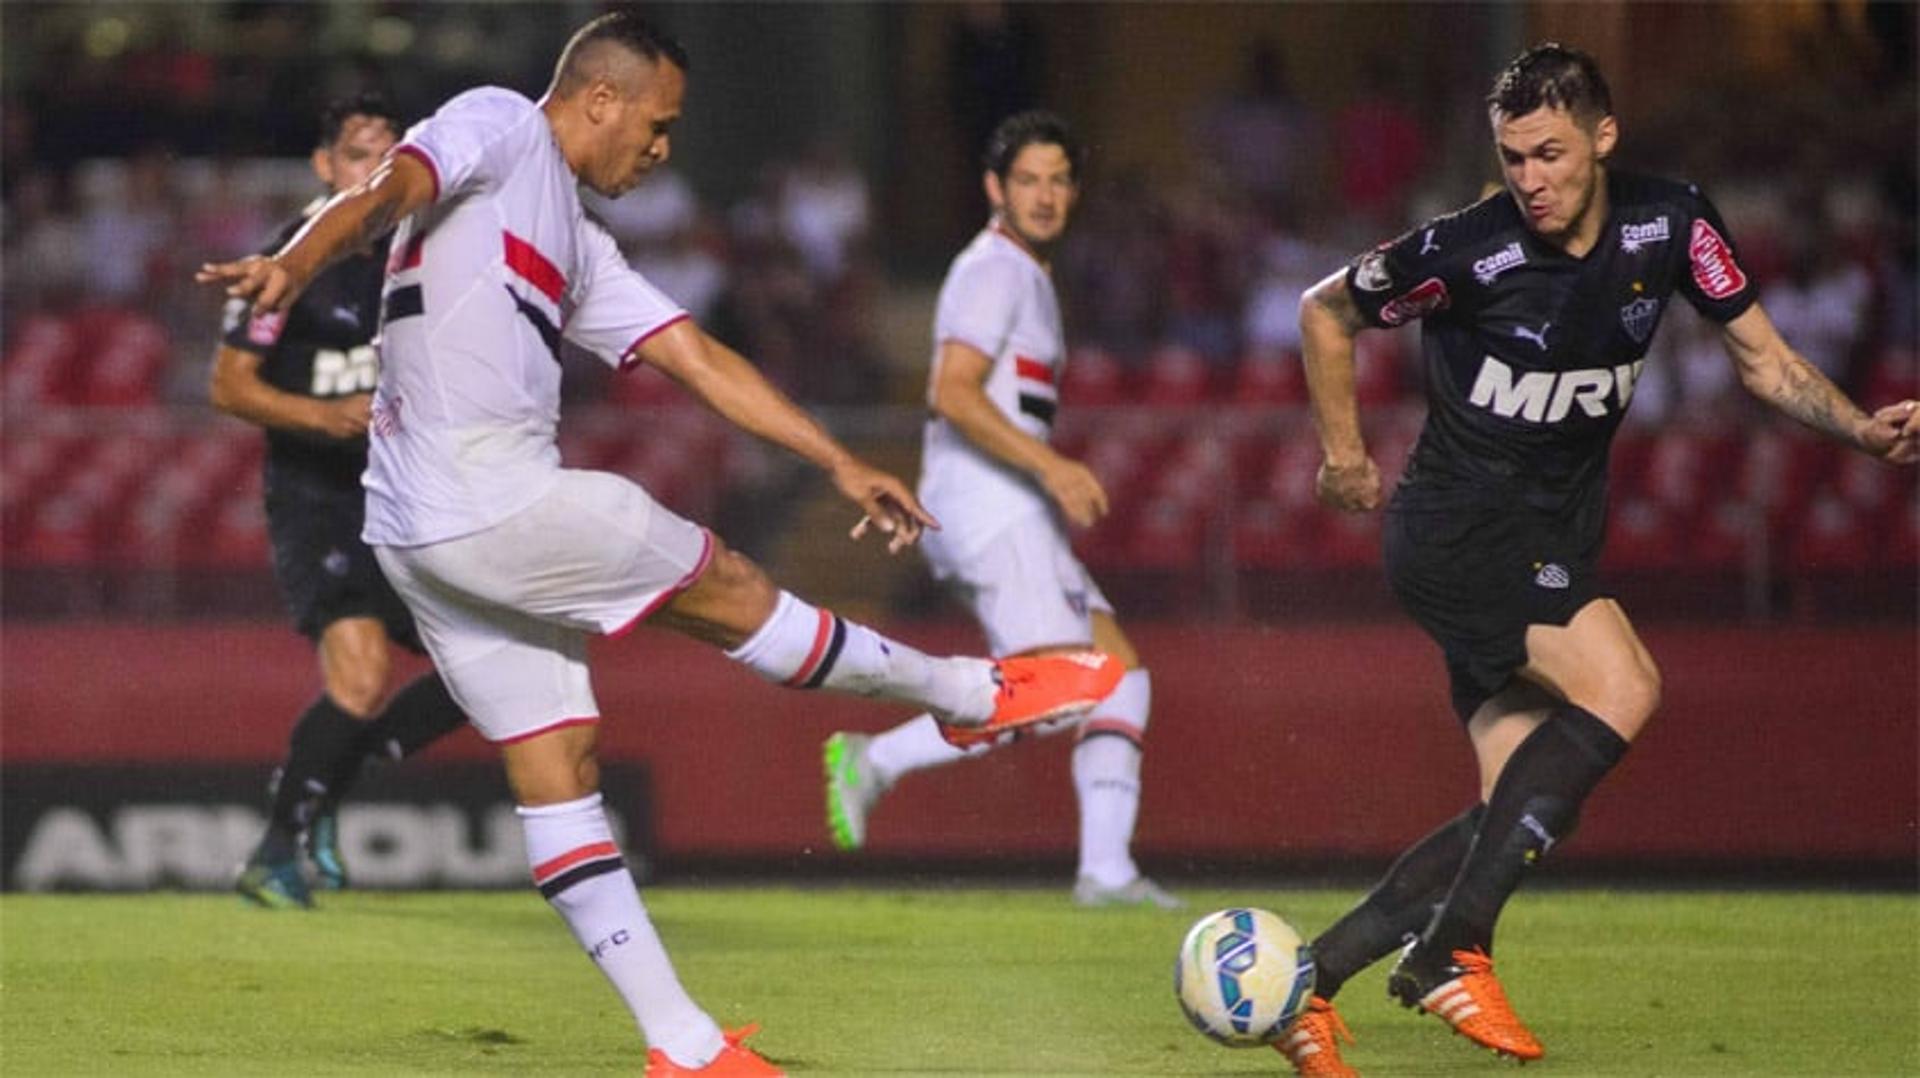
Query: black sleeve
(1713,280)
(239,327)
(1407,278)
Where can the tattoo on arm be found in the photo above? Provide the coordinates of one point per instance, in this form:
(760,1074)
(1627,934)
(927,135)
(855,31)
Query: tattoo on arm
(1806,395)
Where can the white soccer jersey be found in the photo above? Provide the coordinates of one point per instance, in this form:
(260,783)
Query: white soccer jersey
(1000,300)
(481,287)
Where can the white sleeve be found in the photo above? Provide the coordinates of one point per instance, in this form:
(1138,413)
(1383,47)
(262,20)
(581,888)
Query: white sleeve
(616,309)
(978,304)
(469,141)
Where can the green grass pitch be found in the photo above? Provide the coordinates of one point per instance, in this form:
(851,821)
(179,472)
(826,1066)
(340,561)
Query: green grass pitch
(873,981)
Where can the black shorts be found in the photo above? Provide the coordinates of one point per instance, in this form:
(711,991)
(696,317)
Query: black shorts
(1476,578)
(325,572)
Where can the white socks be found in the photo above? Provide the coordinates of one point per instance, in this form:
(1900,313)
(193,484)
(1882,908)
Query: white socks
(579,870)
(912,745)
(804,647)
(1106,775)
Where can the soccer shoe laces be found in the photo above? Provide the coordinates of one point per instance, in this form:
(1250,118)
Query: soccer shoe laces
(1312,1044)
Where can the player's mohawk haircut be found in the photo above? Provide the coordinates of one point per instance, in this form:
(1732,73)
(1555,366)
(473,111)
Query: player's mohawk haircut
(1023,129)
(1551,76)
(627,28)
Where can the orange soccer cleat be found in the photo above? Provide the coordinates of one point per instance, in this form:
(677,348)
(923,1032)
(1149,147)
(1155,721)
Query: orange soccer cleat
(1467,995)
(1311,1044)
(736,1060)
(1039,688)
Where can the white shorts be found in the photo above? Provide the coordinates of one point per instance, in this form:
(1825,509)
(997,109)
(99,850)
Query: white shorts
(505,612)
(1025,588)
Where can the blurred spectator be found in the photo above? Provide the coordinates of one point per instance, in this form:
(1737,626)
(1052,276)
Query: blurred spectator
(1379,148)
(45,263)
(1262,138)
(127,229)
(1820,304)
(823,208)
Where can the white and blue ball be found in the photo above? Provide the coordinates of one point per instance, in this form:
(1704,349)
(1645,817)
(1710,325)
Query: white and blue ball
(1243,976)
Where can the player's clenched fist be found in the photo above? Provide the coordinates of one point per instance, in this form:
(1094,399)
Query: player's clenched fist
(261,280)
(1352,487)
(1894,434)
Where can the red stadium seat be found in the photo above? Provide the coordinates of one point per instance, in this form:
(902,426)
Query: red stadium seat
(1894,376)
(1168,534)
(1779,471)
(1684,467)
(1871,486)
(1901,551)
(64,532)
(1719,537)
(1643,534)
(1832,537)
(1198,469)
(1092,377)
(1176,376)
(39,360)
(1270,535)
(127,356)
(1376,368)
(644,387)
(1267,379)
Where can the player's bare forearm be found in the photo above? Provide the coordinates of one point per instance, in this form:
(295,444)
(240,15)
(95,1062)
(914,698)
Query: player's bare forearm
(967,407)
(1773,372)
(1328,324)
(237,389)
(725,381)
(353,219)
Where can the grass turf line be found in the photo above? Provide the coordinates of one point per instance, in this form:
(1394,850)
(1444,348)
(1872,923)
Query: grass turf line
(868,981)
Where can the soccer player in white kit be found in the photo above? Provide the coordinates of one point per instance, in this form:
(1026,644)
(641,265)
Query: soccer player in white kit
(1007,497)
(509,561)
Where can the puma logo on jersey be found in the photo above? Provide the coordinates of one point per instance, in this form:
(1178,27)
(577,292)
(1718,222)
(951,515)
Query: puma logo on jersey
(1538,337)
(1427,246)
(1549,396)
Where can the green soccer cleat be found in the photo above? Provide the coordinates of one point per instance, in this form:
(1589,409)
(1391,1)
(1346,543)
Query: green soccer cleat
(323,849)
(852,789)
(274,886)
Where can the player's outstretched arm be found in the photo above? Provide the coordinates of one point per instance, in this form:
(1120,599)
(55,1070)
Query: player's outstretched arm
(735,388)
(349,221)
(1329,322)
(237,389)
(1771,370)
(960,397)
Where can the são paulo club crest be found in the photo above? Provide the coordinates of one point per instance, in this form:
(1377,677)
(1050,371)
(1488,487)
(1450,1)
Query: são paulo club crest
(1639,318)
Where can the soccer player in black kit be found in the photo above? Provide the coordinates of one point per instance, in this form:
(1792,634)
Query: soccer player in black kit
(1538,304)
(306,377)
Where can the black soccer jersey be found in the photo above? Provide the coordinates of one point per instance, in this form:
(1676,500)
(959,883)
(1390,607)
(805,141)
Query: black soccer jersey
(320,347)
(1531,354)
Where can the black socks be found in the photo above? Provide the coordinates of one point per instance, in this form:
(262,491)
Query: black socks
(1534,806)
(1398,907)
(324,735)
(419,714)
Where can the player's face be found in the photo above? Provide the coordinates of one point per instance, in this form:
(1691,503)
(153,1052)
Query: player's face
(363,141)
(638,127)
(1552,165)
(1037,195)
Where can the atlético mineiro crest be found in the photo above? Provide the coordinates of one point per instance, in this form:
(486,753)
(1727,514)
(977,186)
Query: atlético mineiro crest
(1639,317)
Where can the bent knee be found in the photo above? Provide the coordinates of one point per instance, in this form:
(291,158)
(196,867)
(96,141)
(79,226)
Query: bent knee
(1629,700)
(357,688)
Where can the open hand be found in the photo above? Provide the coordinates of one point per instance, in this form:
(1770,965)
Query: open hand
(260,280)
(1076,490)
(885,503)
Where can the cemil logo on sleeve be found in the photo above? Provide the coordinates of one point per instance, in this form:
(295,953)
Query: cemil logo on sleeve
(1714,269)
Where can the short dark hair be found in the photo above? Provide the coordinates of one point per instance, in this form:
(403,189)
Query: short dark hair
(627,28)
(1551,76)
(1024,129)
(333,118)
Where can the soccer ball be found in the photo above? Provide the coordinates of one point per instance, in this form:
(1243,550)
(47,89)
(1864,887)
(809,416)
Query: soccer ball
(1243,976)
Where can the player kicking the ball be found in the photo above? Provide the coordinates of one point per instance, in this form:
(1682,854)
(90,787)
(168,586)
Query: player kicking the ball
(1007,497)
(509,561)
(1538,307)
